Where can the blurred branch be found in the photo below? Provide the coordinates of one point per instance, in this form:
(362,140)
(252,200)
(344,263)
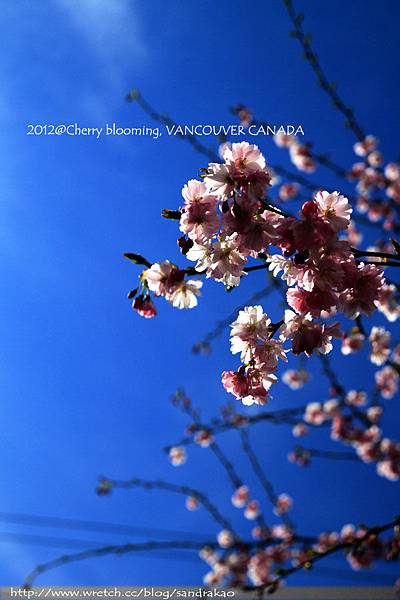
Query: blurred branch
(282,416)
(117,550)
(330,454)
(312,58)
(107,485)
(258,470)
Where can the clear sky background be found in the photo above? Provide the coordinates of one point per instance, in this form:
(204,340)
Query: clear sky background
(84,381)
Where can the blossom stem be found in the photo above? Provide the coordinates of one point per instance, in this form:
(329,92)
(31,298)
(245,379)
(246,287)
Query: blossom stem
(283,416)
(386,255)
(312,58)
(383,263)
(258,470)
(330,454)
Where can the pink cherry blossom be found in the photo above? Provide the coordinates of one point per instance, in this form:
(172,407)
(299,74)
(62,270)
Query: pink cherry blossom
(192,503)
(306,335)
(225,538)
(379,339)
(244,158)
(203,438)
(314,302)
(236,383)
(387,381)
(200,221)
(288,191)
(250,327)
(144,307)
(185,294)
(295,379)
(283,504)
(162,277)
(334,208)
(364,292)
(221,260)
(240,497)
(375,158)
(301,157)
(388,302)
(177,456)
(195,191)
(283,140)
(352,343)
(299,430)
(314,414)
(356,398)
(374,413)
(259,568)
(392,171)
(367,145)
(252,510)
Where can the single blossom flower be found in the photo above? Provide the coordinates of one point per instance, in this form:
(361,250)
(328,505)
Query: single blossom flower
(250,327)
(334,208)
(203,438)
(144,306)
(225,538)
(352,342)
(192,503)
(244,158)
(240,497)
(387,381)
(295,378)
(283,504)
(379,339)
(185,294)
(315,414)
(300,429)
(252,510)
(162,277)
(177,456)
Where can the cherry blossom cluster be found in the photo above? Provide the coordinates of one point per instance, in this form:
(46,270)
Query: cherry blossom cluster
(371,176)
(387,381)
(300,154)
(364,554)
(372,179)
(324,278)
(224,218)
(379,339)
(320,269)
(266,566)
(288,191)
(367,441)
(273,552)
(251,338)
(388,303)
(167,280)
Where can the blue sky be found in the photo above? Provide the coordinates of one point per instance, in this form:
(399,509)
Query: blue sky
(85,382)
